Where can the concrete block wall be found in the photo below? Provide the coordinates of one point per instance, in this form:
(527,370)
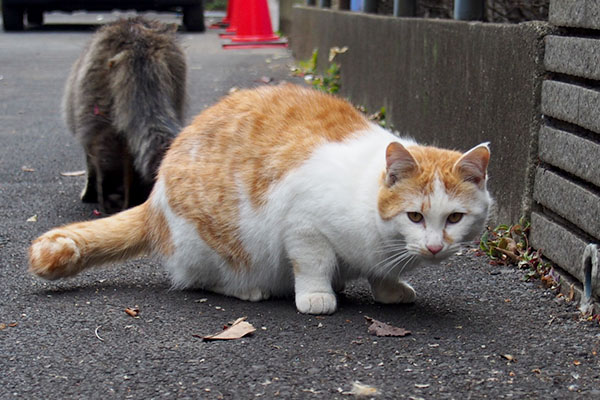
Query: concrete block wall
(566,216)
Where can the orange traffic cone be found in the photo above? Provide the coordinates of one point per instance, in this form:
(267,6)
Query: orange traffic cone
(234,17)
(254,24)
(224,23)
(227,18)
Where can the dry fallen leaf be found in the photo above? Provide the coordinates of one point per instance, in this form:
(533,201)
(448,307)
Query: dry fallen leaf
(238,329)
(33,218)
(571,292)
(360,390)
(379,328)
(334,51)
(11,325)
(73,173)
(134,312)
(508,357)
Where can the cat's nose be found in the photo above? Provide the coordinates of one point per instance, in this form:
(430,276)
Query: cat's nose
(434,249)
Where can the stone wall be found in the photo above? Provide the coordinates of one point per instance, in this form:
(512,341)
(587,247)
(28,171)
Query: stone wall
(566,217)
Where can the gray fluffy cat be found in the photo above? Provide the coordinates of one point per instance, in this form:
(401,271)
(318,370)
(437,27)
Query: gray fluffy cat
(124,101)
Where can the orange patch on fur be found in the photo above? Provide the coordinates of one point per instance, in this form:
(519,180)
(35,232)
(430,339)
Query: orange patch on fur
(248,141)
(447,238)
(159,232)
(295,267)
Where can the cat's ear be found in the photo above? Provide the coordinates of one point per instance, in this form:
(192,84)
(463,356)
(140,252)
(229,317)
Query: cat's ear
(399,163)
(472,166)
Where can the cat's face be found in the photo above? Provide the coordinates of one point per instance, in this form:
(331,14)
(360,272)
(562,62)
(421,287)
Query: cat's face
(433,200)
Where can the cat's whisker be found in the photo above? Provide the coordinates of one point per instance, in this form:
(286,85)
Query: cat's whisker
(394,242)
(404,262)
(392,262)
(386,264)
(459,245)
(387,259)
(408,262)
(390,250)
(392,245)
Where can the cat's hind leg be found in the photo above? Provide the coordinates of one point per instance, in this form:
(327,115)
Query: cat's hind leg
(136,188)
(89,193)
(110,161)
(389,291)
(314,262)
(139,189)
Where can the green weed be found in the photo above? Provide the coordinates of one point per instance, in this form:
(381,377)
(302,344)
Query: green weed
(379,117)
(509,245)
(329,82)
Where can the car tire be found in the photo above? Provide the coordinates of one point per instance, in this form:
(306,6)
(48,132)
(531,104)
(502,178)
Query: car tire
(193,18)
(35,16)
(12,18)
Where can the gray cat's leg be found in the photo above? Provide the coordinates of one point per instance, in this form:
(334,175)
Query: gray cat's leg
(128,180)
(139,189)
(89,193)
(314,264)
(108,153)
(389,291)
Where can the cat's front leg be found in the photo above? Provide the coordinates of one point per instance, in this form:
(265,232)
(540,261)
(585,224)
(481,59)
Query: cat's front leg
(314,263)
(389,291)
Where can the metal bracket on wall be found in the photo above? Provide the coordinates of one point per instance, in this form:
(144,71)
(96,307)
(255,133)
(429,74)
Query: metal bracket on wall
(591,284)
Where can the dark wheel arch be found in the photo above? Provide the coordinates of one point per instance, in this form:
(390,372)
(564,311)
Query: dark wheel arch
(12,17)
(35,16)
(193,18)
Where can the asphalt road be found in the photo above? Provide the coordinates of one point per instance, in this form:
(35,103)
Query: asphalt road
(478,331)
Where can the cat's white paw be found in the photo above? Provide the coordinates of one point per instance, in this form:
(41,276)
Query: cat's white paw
(253,295)
(392,292)
(316,303)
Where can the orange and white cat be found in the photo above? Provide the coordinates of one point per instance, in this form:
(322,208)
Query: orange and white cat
(282,190)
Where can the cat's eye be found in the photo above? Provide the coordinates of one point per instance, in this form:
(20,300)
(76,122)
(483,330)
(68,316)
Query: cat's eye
(415,217)
(454,217)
